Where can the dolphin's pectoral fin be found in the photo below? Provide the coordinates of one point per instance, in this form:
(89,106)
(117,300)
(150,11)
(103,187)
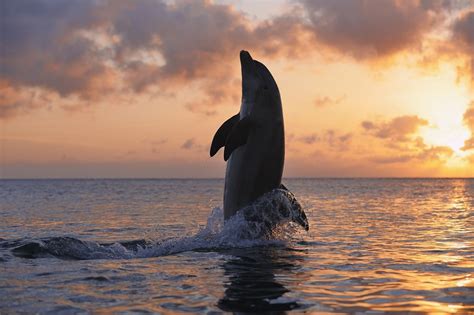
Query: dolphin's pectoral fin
(238,136)
(222,133)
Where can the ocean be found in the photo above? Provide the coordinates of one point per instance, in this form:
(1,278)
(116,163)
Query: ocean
(160,246)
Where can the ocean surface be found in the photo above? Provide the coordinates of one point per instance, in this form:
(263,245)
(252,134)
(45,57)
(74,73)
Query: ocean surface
(160,246)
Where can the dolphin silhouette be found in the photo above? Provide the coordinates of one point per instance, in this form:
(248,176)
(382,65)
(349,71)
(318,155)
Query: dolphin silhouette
(253,140)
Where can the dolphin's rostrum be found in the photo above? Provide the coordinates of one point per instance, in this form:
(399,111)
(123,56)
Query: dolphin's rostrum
(253,140)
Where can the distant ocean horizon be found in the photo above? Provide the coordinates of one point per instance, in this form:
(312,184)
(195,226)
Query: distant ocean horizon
(222,178)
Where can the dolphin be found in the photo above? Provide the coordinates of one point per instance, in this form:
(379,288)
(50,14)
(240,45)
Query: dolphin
(253,139)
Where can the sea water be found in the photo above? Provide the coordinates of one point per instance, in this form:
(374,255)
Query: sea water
(160,246)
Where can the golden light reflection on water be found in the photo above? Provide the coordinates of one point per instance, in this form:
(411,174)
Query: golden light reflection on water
(374,246)
(412,252)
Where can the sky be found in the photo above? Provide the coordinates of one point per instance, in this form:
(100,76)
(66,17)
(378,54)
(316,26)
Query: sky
(115,88)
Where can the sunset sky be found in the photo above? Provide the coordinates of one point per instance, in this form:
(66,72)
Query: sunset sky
(113,88)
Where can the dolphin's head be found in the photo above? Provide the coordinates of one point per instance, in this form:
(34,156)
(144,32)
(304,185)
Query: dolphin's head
(257,82)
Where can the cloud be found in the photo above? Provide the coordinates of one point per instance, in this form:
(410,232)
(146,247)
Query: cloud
(192,144)
(463,38)
(463,30)
(391,159)
(189,144)
(88,48)
(469,122)
(201,109)
(372,28)
(43,47)
(324,101)
(368,125)
(309,139)
(432,153)
(156,145)
(399,128)
(402,145)
(197,42)
(339,142)
(332,139)
(435,153)
(15,101)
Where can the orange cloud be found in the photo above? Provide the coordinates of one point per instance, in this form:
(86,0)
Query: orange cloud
(328,101)
(192,144)
(332,139)
(401,143)
(399,128)
(426,154)
(18,100)
(469,121)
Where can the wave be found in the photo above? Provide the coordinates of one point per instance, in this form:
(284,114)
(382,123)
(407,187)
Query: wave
(273,218)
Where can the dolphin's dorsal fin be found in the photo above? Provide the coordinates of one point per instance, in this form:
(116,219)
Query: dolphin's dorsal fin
(238,136)
(222,133)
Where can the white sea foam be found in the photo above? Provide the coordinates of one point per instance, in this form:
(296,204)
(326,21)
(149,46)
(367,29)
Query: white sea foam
(271,219)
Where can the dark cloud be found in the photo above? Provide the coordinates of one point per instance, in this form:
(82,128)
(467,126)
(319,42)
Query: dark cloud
(372,28)
(88,48)
(42,46)
(399,128)
(463,37)
(463,30)
(194,38)
(197,41)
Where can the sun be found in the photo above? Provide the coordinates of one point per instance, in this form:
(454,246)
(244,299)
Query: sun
(452,136)
(444,107)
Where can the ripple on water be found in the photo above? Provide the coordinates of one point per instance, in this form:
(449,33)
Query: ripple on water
(374,246)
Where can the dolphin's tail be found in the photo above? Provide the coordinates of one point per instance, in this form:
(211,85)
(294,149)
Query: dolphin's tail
(273,208)
(298,215)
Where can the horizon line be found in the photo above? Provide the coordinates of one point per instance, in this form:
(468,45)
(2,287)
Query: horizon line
(222,178)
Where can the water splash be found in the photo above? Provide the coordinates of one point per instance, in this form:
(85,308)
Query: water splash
(271,219)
